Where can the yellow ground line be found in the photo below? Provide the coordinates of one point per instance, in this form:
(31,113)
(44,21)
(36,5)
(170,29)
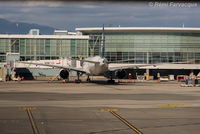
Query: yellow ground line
(28,110)
(32,121)
(174,105)
(109,110)
(127,123)
(25,108)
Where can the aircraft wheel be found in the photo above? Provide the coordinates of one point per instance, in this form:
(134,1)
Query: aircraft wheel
(77,81)
(111,81)
(88,80)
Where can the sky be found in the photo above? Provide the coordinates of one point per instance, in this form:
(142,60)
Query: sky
(69,15)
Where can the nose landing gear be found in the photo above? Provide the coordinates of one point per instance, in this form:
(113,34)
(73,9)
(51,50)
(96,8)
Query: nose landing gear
(88,79)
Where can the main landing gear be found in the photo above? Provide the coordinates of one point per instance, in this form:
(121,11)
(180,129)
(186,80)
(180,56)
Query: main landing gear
(78,78)
(111,81)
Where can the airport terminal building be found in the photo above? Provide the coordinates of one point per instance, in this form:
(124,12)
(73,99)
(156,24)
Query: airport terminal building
(34,46)
(146,45)
(142,45)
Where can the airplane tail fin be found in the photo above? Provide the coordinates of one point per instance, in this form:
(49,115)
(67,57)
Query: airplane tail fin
(102,43)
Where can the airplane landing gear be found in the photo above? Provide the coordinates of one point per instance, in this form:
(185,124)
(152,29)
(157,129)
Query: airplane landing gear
(78,78)
(111,81)
(88,79)
(77,81)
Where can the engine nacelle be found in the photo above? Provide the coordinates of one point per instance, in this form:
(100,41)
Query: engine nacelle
(120,74)
(109,74)
(64,74)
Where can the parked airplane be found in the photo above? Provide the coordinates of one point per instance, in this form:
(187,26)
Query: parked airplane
(93,66)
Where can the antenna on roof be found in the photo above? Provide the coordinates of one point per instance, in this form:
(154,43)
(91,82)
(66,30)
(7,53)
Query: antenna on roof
(183,25)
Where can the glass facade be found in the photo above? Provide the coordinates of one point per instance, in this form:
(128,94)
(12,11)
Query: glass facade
(41,49)
(139,46)
(148,47)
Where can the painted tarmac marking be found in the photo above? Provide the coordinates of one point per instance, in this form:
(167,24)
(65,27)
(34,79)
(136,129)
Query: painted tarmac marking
(122,120)
(25,108)
(174,105)
(109,110)
(126,122)
(28,110)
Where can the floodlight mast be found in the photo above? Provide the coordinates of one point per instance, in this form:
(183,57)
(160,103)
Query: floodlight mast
(102,43)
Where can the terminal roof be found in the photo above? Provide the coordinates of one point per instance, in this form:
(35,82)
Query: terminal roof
(43,36)
(139,29)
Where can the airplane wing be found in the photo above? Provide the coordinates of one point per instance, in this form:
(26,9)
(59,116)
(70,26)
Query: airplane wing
(95,62)
(128,67)
(138,66)
(118,61)
(55,66)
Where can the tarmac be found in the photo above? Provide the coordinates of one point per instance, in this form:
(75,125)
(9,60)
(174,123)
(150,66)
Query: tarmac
(148,107)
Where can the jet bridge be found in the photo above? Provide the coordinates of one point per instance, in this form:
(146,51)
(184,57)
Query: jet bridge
(29,71)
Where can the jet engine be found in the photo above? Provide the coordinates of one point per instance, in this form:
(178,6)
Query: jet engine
(120,74)
(64,74)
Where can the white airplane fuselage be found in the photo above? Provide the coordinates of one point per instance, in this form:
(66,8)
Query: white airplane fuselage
(95,68)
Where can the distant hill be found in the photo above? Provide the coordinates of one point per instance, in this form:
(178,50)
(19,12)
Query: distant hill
(8,27)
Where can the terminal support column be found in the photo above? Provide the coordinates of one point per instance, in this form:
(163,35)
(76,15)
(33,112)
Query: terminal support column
(147,74)
(147,70)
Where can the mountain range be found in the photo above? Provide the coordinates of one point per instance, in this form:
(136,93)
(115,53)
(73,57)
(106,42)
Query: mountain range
(8,27)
